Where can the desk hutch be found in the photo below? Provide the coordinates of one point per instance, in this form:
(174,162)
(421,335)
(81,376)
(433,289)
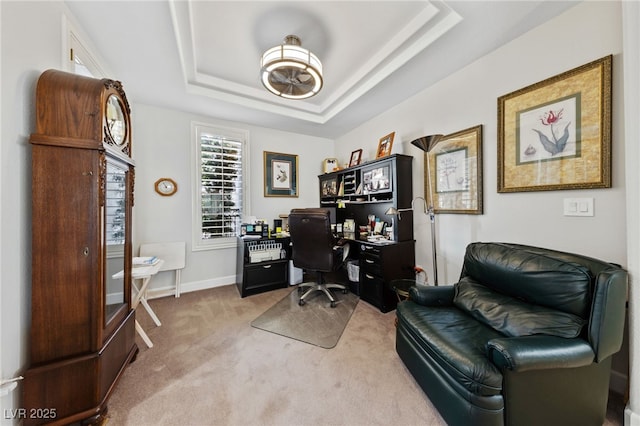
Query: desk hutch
(370,189)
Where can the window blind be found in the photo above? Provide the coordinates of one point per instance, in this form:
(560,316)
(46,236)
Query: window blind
(221,186)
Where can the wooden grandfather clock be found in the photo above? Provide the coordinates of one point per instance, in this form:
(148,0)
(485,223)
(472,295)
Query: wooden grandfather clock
(82,325)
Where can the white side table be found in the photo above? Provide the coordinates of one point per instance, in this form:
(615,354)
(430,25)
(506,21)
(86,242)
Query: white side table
(142,272)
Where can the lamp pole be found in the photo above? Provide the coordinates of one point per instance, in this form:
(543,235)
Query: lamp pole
(426,143)
(432,218)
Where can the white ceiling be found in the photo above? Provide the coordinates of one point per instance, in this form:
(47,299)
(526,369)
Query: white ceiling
(204,56)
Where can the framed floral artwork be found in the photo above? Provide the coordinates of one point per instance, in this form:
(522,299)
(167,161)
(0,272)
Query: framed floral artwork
(280,174)
(453,173)
(556,134)
(384,145)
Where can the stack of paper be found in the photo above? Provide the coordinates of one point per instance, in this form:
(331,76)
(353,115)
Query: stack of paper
(152,260)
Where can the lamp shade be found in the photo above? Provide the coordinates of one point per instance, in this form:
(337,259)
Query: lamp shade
(392,211)
(425,143)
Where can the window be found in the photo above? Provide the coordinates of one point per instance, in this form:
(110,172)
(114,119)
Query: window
(220,190)
(80,58)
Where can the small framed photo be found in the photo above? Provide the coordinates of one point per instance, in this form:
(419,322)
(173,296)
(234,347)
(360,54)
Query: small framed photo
(329,165)
(280,175)
(330,187)
(384,146)
(356,157)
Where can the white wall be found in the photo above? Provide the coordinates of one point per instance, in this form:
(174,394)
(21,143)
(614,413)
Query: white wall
(631,42)
(31,34)
(468,98)
(162,148)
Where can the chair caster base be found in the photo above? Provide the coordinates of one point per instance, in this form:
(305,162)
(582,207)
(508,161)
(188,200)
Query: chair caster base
(301,302)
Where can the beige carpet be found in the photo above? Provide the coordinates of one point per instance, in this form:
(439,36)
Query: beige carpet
(316,322)
(210,367)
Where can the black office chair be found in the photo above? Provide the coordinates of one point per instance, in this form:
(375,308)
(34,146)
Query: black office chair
(314,249)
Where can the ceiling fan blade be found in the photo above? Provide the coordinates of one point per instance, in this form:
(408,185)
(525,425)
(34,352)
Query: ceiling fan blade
(280,76)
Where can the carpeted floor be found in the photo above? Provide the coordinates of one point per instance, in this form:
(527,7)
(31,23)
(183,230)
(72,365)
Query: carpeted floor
(210,367)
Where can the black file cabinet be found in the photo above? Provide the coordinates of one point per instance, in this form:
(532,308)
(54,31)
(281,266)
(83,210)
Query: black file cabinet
(381,264)
(253,277)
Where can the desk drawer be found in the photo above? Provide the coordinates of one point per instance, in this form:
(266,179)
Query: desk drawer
(371,289)
(265,274)
(370,264)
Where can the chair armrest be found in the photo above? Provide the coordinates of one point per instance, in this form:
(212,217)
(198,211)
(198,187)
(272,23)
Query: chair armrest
(606,326)
(432,296)
(539,352)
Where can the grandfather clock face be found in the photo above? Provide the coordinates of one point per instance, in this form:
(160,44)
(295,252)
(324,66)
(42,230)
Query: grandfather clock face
(116,127)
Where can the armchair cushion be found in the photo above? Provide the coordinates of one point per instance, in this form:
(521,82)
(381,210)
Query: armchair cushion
(511,316)
(537,277)
(463,353)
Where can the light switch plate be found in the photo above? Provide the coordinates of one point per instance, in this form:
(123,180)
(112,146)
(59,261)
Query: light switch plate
(578,207)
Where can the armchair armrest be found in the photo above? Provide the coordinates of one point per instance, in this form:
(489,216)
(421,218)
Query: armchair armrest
(432,296)
(539,352)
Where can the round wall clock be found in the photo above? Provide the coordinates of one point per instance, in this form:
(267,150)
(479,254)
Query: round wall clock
(166,186)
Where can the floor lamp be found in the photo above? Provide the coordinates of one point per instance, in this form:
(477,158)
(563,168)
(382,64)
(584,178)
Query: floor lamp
(426,143)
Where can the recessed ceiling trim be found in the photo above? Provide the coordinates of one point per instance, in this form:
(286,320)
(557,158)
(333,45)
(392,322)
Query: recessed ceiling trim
(207,81)
(441,28)
(383,63)
(387,51)
(312,117)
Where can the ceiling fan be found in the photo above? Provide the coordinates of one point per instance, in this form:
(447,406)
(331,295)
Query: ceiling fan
(290,71)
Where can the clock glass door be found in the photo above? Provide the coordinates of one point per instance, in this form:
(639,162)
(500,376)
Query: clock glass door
(115,220)
(116,123)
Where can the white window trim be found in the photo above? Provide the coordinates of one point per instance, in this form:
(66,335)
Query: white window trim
(74,39)
(197,128)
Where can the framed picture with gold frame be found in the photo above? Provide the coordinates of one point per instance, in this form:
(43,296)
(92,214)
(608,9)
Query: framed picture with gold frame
(556,134)
(280,174)
(384,145)
(453,173)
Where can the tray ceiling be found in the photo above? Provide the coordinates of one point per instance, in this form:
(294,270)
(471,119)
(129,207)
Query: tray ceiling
(204,56)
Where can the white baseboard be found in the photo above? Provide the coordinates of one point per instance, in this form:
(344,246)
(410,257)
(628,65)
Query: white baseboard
(631,418)
(114,298)
(154,293)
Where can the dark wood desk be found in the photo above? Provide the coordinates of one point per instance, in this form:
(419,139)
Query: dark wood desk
(379,265)
(255,276)
(371,188)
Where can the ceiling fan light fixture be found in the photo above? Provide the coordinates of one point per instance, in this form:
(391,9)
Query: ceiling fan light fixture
(290,71)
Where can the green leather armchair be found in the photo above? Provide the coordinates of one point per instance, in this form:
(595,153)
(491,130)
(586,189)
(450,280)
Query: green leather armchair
(524,338)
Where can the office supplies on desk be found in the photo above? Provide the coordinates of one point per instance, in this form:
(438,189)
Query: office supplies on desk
(261,251)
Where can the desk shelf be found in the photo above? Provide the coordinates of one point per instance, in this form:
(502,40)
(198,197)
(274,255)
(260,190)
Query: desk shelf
(371,189)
